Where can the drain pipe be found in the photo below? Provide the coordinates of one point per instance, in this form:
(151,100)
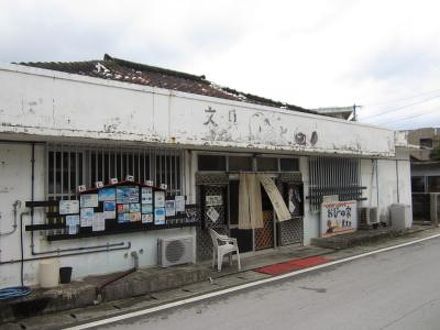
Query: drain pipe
(99,289)
(16,205)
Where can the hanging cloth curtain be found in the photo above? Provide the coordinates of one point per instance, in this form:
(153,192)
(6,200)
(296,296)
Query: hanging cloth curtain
(250,212)
(275,197)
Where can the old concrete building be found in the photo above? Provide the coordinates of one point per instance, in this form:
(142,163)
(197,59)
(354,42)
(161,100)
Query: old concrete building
(66,125)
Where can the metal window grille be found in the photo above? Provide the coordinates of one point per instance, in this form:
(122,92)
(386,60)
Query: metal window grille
(70,166)
(333,176)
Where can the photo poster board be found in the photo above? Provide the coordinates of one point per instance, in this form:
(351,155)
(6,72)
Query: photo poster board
(338,218)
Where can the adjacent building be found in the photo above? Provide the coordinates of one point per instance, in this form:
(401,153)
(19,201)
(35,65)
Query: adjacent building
(425,170)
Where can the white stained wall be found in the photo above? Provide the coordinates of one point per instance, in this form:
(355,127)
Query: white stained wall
(387,182)
(15,184)
(48,103)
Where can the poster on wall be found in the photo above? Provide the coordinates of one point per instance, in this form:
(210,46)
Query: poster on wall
(109,209)
(191,213)
(123,208)
(180,203)
(127,194)
(98,223)
(68,207)
(72,223)
(338,218)
(88,200)
(159,199)
(123,217)
(147,208)
(107,194)
(135,207)
(170,208)
(147,218)
(147,195)
(86,216)
(212,214)
(159,216)
(213,200)
(135,216)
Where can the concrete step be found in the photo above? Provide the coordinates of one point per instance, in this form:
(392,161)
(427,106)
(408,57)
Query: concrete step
(84,293)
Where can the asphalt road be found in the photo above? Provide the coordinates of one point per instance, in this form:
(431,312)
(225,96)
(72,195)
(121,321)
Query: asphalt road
(399,289)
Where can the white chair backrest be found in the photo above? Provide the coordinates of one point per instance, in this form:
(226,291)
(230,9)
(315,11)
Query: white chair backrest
(214,237)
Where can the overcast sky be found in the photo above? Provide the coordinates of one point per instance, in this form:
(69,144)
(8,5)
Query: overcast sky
(382,55)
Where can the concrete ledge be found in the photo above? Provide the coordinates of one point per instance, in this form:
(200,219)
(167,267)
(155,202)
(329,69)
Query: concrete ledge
(145,281)
(42,301)
(360,237)
(84,293)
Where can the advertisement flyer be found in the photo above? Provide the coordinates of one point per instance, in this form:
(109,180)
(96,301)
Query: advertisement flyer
(109,209)
(159,199)
(147,208)
(159,216)
(170,208)
(107,194)
(180,203)
(68,207)
(86,216)
(127,194)
(147,218)
(88,200)
(147,195)
(72,223)
(98,223)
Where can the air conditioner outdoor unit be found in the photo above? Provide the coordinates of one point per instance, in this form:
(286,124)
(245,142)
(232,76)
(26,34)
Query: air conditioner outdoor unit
(174,251)
(368,216)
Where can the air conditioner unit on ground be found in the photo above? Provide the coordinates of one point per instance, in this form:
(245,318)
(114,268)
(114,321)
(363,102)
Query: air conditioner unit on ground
(401,217)
(174,251)
(368,217)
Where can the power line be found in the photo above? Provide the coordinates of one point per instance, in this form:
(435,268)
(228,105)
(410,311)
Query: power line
(403,99)
(386,112)
(417,115)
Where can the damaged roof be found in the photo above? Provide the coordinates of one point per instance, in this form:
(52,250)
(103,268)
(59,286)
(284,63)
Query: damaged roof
(122,70)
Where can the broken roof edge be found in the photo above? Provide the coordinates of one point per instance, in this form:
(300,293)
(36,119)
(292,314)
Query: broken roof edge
(232,93)
(141,66)
(202,78)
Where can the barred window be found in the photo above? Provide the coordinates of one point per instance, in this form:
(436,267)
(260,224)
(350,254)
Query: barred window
(70,166)
(334,176)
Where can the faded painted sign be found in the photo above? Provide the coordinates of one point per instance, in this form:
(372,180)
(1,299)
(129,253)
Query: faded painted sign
(64,105)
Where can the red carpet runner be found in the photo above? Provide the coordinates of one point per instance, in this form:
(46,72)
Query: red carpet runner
(292,265)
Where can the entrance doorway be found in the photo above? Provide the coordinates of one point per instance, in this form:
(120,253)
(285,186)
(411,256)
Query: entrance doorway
(251,239)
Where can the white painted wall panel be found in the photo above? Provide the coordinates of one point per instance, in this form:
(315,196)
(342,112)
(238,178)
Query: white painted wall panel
(15,184)
(43,102)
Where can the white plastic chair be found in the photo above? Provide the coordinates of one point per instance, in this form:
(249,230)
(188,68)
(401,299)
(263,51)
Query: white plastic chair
(223,245)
